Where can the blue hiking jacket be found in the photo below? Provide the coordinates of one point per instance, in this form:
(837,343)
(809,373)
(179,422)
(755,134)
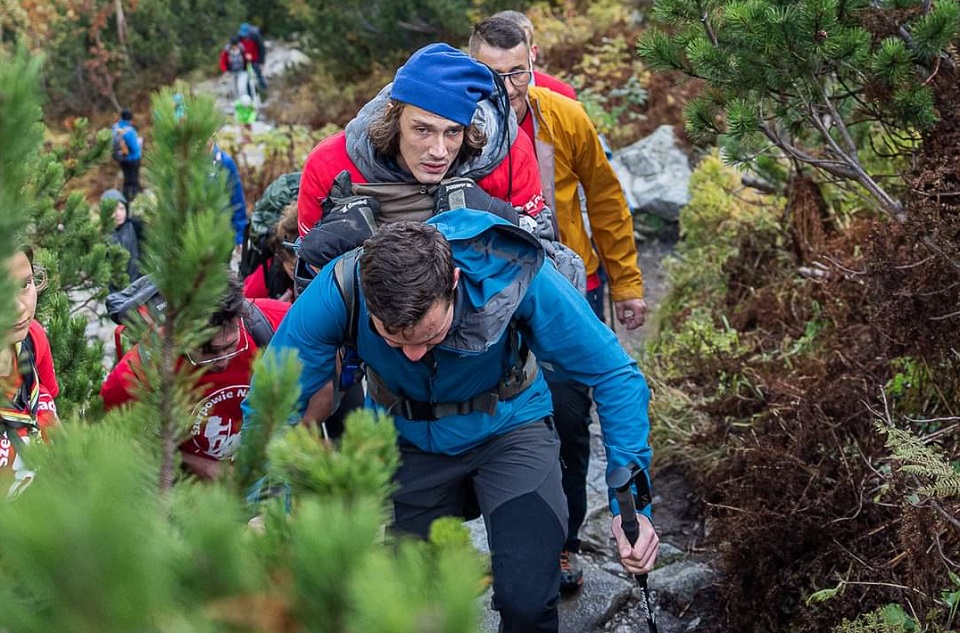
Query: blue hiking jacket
(504,277)
(129,134)
(238,202)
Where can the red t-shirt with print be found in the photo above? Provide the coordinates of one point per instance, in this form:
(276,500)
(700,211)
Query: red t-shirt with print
(216,415)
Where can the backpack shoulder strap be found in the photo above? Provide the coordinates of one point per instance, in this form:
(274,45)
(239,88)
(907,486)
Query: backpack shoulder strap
(345,275)
(29,347)
(258,325)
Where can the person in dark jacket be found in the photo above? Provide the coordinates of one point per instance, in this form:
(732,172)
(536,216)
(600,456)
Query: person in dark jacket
(127,232)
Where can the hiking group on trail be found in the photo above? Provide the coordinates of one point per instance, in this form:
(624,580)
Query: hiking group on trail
(434,260)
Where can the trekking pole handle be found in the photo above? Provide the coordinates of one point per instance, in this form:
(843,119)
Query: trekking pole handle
(620,479)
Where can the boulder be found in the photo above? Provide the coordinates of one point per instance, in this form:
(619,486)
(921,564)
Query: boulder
(655,174)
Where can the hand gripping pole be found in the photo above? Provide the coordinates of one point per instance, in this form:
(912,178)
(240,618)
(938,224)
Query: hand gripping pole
(620,479)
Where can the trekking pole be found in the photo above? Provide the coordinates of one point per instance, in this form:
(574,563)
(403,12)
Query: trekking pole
(620,479)
(252,86)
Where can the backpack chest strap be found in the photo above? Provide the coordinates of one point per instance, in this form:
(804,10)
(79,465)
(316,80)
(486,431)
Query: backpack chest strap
(516,382)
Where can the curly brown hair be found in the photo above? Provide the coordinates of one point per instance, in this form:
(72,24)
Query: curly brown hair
(285,231)
(385,134)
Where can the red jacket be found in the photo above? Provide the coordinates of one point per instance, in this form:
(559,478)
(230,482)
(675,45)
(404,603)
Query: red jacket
(553,84)
(330,157)
(217,419)
(250,47)
(14,473)
(255,285)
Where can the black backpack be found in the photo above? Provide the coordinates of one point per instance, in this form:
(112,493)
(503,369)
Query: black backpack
(142,298)
(256,250)
(120,150)
(235,60)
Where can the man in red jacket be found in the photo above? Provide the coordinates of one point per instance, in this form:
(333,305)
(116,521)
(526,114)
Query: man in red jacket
(440,117)
(227,360)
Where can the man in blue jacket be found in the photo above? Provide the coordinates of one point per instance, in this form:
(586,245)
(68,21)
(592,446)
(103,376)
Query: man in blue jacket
(126,152)
(451,317)
(238,201)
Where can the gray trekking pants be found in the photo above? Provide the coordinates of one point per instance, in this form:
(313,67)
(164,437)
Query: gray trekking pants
(516,478)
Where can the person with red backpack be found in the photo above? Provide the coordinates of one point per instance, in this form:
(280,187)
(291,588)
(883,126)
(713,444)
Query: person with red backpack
(29,381)
(234,59)
(252,41)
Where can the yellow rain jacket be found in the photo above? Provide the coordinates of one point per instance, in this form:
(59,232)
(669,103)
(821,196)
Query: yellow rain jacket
(569,153)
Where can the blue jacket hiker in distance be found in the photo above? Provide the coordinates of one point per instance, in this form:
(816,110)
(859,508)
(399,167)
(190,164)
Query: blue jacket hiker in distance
(238,202)
(127,152)
(469,410)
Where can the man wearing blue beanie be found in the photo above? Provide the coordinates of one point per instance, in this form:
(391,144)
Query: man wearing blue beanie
(440,118)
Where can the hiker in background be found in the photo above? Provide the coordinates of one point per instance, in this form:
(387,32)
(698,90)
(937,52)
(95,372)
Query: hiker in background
(238,201)
(29,381)
(126,152)
(252,41)
(570,154)
(274,277)
(223,365)
(233,60)
(540,78)
(452,316)
(127,232)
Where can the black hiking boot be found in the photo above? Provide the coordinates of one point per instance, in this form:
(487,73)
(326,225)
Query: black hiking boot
(571,574)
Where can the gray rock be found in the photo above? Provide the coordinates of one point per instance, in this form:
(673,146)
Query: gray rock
(655,174)
(668,554)
(677,584)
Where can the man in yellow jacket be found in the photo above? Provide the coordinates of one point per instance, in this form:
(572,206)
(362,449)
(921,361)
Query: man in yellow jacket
(569,154)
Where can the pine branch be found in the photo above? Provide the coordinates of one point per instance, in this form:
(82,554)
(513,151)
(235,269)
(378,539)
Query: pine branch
(168,421)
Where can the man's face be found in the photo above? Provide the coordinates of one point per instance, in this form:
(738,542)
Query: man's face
(120,214)
(229,341)
(428,144)
(426,334)
(510,64)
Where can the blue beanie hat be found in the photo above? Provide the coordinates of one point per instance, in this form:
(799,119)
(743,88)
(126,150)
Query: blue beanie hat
(244,30)
(443,80)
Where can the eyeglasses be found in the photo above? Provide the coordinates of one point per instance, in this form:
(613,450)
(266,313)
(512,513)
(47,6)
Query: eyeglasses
(203,362)
(519,78)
